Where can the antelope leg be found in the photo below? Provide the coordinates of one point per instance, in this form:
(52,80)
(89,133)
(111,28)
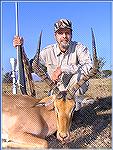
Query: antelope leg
(26,141)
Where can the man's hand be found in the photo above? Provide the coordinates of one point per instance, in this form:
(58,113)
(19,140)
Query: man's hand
(56,74)
(17,41)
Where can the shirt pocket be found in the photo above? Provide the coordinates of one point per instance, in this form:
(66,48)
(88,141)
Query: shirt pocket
(72,60)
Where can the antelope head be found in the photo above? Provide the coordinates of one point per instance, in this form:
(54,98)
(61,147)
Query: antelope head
(64,109)
(64,102)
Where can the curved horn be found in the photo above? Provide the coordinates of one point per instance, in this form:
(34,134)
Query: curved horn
(70,92)
(38,47)
(39,71)
(95,60)
(92,72)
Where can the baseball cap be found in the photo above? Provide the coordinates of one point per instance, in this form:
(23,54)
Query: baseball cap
(62,23)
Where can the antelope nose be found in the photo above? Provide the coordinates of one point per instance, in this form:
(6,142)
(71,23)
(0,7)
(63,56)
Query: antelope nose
(63,135)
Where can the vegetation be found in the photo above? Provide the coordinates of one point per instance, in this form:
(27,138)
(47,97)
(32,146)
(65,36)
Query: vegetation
(102,73)
(7,78)
(101,63)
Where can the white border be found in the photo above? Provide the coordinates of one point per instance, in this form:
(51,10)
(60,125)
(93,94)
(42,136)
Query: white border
(54,2)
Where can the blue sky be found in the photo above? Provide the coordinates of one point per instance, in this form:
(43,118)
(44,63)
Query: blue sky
(37,16)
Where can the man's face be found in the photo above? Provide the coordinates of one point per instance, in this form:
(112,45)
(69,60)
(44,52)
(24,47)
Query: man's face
(63,38)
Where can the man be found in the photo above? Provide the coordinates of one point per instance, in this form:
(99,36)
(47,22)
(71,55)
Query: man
(66,61)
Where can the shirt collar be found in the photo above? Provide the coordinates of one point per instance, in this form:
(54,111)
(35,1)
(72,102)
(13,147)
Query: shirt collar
(58,52)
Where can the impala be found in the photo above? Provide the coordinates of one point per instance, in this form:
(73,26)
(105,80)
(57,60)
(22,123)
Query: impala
(26,121)
(26,125)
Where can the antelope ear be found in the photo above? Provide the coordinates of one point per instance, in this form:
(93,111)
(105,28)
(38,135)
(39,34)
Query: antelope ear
(38,104)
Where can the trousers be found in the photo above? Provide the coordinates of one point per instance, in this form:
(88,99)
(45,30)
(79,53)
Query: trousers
(68,80)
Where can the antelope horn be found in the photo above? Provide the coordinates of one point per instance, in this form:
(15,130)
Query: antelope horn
(95,60)
(92,72)
(38,47)
(37,67)
(70,92)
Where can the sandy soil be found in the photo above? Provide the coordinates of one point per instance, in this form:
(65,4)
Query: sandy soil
(91,125)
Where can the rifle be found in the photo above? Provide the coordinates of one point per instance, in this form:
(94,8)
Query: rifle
(20,65)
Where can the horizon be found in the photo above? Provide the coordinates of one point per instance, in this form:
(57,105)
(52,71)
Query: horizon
(37,16)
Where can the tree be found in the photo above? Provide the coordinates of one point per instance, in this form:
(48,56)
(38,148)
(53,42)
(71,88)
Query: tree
(7,78)
(102,73)
(101,63)
(107,73)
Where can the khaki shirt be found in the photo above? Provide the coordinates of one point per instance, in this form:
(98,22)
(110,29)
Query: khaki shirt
(77,56)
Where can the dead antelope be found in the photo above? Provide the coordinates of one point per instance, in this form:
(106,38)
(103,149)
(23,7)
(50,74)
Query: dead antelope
(25,125)
(26,121)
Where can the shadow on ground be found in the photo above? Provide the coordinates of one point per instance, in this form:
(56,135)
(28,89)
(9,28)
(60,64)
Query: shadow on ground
(87,125)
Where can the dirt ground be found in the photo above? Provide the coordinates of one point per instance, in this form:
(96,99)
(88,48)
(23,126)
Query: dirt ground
(92,125)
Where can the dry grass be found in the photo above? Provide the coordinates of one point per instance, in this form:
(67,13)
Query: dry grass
(91,126)
(98,88)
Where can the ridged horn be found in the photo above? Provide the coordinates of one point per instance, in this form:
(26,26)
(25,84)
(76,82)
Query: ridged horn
(37,67)
(91,73)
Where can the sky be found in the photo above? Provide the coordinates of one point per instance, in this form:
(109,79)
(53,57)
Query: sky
(37,16)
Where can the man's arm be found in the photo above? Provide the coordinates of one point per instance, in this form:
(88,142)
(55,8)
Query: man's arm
(55,72)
